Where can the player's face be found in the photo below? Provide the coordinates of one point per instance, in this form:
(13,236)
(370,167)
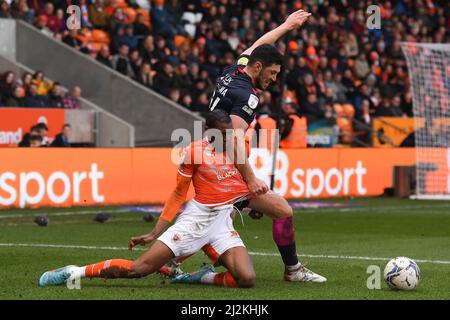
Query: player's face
(267,76)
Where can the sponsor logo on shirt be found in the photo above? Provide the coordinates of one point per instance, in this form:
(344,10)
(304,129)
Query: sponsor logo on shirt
(225,174)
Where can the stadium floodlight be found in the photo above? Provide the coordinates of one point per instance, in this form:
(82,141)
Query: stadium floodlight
(429,74)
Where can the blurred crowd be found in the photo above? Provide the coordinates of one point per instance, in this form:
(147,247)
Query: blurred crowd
(178,48)
(34,91)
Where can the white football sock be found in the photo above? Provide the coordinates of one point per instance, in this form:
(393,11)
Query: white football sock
(208,278)
(79,272)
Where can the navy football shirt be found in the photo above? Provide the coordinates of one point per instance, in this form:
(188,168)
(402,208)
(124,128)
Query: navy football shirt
(235,93)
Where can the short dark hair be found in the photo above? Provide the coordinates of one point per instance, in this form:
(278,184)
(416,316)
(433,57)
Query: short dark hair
(35,137)
(42,125)
(266,54)
(215,117)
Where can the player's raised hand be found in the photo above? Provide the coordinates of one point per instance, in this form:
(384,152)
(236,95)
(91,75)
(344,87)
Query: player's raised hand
(296,19)
(142,240)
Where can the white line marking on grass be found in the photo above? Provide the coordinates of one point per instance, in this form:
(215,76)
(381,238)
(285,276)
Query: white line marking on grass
(64,213)
(265,254)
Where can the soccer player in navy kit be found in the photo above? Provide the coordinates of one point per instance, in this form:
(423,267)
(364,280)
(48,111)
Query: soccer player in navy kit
(236,93)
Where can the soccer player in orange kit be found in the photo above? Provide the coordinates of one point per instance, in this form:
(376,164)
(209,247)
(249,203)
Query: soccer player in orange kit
(205,220)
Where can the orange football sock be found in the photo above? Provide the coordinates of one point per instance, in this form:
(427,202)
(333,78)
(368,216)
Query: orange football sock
(225,279)
(114,268)
(211,253)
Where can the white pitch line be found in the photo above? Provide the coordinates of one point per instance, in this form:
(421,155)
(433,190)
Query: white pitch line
(64,213)
(266,254)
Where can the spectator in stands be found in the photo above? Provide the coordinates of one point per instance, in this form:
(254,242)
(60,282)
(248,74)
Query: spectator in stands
(16,99)
(140,29)
(121,63)
(33,99)
(145,76)
(174,95)
(104,56)
(41,25)
(118,18)
(54,23)
(21,10)
(25,142)
(55,99)
(147,50)
(165,80)
(72,99)
(163,22)
(71,39)
(36,141)
(185,79)
(5,11)
(129,38)
(62,140)
(7,84)
(26,80)
(43,132)
(84,10)
(136,62)
(43,86)
(311,109)
(386,109)
(98,16)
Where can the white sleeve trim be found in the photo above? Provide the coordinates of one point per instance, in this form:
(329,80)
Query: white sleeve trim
(184,174)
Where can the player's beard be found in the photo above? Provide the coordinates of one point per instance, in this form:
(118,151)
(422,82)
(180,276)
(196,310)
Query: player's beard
(259,83)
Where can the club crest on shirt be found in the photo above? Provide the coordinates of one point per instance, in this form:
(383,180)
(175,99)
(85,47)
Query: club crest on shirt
(253,101)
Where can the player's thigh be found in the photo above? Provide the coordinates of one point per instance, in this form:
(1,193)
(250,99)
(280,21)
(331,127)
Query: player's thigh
(153,259)
(271,204)
(239,264)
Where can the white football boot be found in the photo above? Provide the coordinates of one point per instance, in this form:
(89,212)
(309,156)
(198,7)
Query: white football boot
(303,274)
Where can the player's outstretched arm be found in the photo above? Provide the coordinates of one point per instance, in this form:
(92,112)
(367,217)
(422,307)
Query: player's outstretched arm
(255,185)
(294,21)
(171,209)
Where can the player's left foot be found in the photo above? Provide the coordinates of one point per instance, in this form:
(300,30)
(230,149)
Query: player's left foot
(303,274)
(171,269)
(195,277)
(56,277)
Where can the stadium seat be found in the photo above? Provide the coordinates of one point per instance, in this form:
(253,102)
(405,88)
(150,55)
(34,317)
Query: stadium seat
(131,14)
(121,4)
(179,40)
(100,36)
(348,110)
(338,109)
(146,16)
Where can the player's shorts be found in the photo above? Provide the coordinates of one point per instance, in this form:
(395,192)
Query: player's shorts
(199,225)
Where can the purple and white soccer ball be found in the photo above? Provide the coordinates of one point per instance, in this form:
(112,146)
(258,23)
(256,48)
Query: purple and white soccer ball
(402,273)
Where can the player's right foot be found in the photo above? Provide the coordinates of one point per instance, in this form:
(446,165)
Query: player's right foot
(303,274)
(55,277)
(171,269)
(195,277)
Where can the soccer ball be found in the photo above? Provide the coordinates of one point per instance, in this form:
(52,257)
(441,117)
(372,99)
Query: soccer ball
(402,273)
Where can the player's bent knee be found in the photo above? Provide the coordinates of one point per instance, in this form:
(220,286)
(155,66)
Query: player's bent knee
(247,281)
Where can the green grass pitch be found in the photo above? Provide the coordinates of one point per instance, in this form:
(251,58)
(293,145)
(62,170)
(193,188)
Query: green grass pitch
(340,243)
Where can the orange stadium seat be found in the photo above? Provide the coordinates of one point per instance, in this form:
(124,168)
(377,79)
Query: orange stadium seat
(131,14)
(121,4)
(146,16)
(179,40)
(96,46)
(338,109)
(346,128)
(100,36)
(349,110)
